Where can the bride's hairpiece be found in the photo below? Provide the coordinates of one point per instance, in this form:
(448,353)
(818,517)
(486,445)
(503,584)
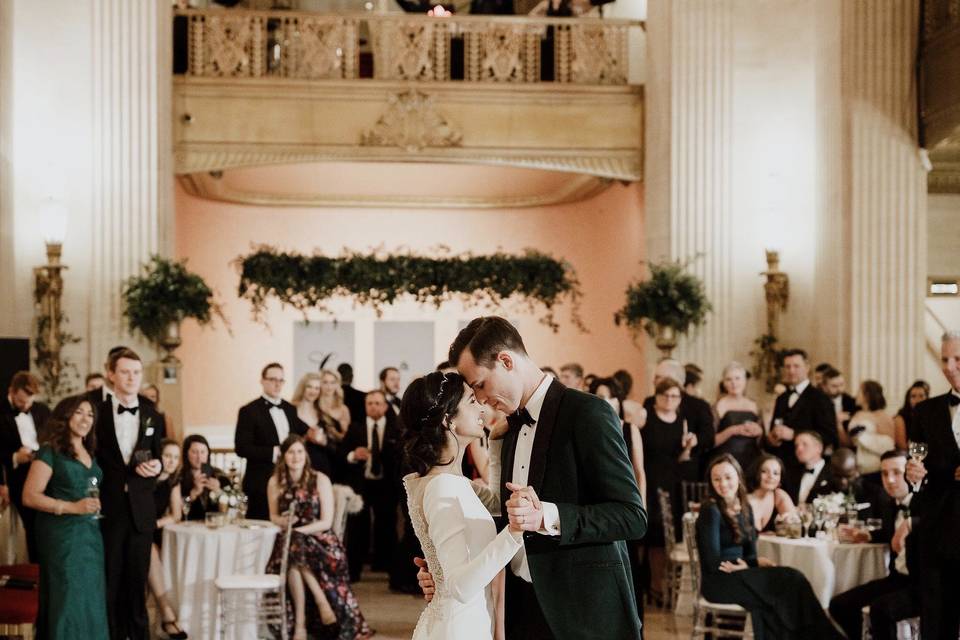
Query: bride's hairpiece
(436,403)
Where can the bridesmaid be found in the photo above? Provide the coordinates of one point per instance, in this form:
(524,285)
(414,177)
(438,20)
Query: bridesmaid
(739,429)
(61,477)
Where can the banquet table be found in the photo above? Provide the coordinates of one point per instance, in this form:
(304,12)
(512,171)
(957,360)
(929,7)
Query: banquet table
(194,556)
(831,567)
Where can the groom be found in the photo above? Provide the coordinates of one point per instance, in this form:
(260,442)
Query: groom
(567,481)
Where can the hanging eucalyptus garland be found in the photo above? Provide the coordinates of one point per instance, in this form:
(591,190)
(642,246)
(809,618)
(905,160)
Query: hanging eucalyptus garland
(378,279)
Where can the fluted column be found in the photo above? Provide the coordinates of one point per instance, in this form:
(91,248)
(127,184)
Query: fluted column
(885,192)
(130,163)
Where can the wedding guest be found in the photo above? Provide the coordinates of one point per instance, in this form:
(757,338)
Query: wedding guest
(768,500)
(896,596)
(199,479)
(372,456)
(818,372)
(317,561)
(834,385)
(665,446)
(352,397)
(390,386)
(739,429)
(632,410)
(937,423)
(549,370)
(71,549)
(816,476)
(262,425)
(903,421)
(22,429)
(322,428)
(871,429)
(332,403)
(571,376)
(695,412)
(801,407)
(152,393)
(93,381)
(692,377)
(129,432)
(781,602)
(169,508)
(846,479)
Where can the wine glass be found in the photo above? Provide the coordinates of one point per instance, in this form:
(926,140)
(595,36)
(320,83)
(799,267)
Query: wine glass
(93,491)
(917,451)
(806,518)
(874,524)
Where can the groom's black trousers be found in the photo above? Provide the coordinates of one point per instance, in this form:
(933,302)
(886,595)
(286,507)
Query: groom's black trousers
(523,617)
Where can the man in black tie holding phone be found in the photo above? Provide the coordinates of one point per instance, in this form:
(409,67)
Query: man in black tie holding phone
(129,436)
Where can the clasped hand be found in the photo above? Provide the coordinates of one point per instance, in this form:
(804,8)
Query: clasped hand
(524,510)
(729,567)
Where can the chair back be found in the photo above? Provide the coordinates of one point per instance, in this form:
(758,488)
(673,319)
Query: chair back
(693,493)
(345,501)
(690,537)
(666,512)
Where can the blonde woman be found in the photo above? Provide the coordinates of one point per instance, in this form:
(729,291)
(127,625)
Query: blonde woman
(331,402)
(322,429)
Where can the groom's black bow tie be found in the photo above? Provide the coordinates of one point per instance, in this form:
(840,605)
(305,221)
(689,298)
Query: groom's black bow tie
(519,418)
(953,399)
(121,409)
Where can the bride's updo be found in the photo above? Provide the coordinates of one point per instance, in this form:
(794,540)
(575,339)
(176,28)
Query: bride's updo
(427,401)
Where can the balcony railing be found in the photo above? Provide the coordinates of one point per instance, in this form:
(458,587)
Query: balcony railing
(407,47)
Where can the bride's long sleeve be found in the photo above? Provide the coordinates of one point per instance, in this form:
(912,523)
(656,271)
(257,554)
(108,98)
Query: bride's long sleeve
(464,577)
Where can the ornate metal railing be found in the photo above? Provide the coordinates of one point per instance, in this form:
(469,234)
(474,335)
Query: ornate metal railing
(409,47)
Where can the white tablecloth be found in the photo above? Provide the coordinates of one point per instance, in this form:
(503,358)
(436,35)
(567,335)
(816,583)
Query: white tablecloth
(194,556)
(830,567)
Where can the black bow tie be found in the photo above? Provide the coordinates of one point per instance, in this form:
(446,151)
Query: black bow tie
(271,405)
(121,409)
(791,391)
(811,471)
(17,413)
(953,399)
(904,508)
(519,418)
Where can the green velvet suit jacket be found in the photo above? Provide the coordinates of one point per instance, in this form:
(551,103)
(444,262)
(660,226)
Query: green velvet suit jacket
(580,463)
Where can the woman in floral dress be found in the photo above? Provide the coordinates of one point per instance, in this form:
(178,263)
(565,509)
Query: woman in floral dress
(317,562)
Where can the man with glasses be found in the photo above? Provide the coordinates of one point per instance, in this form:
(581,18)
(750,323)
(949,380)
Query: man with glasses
(262,425)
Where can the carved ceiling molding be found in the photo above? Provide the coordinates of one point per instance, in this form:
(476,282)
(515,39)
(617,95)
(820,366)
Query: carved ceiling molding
(412,122)
(615,164)
(205,185)
(945,158)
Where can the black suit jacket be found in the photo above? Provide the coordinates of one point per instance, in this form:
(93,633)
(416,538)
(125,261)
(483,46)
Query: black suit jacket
(940,493)
(390,453)
(813,411)
(120,480)
(10,443)
(823,484)
(887,510)
(356,402)
(849,405)
(580,463)
(255,438)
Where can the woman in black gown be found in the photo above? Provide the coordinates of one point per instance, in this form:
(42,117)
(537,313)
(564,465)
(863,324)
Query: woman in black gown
(168,509)
(739,430)
(780,600)
(199,479)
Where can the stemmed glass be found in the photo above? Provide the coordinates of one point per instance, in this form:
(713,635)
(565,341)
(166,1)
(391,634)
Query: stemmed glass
(93,491)
(917,451)
(806,518)
(874,524)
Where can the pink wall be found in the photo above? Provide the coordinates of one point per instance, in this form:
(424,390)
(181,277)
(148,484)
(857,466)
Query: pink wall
(602,238)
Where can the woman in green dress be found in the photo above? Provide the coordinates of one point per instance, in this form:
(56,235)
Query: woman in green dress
(63,486)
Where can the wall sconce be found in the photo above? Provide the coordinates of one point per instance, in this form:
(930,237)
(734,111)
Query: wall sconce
(48,294)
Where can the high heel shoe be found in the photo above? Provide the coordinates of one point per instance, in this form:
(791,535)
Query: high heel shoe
(330,631)
(176,634)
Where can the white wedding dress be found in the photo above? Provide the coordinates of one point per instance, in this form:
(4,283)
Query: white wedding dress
(464,553)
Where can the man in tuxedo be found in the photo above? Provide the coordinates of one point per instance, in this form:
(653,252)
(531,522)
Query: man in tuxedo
(802,407)
(566,479)
(262,426)
(937,422)
(129,437)
(372,455)
(22,422)
(695,411)
(352,397)
(815,475)
(93,381)
(896,596)
(571,376)
(390,386)
(844,405)
(845,478)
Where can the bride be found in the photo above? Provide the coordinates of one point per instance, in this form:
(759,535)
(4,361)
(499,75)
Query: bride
(466,556)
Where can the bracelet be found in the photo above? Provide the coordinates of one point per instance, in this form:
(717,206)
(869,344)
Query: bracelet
(59,507)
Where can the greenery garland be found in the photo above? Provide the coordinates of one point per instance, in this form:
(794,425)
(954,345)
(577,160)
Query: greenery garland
(378,279)
(670,297)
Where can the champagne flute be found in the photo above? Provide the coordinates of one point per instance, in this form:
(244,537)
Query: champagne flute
(806,518)
(917,451)
(93,491)
(685,454)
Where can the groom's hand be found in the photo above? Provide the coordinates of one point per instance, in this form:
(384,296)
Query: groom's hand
(424,579)
(524,509)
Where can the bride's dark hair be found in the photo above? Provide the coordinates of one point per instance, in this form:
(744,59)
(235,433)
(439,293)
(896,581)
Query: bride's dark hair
(428,405)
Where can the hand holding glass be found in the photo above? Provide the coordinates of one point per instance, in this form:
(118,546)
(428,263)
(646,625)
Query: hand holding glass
(917,451)
(93,491)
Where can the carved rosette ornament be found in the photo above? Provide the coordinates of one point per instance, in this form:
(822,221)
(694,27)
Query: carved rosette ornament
(413,123)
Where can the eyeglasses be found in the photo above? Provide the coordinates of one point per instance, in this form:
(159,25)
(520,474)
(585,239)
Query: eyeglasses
(276,380)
